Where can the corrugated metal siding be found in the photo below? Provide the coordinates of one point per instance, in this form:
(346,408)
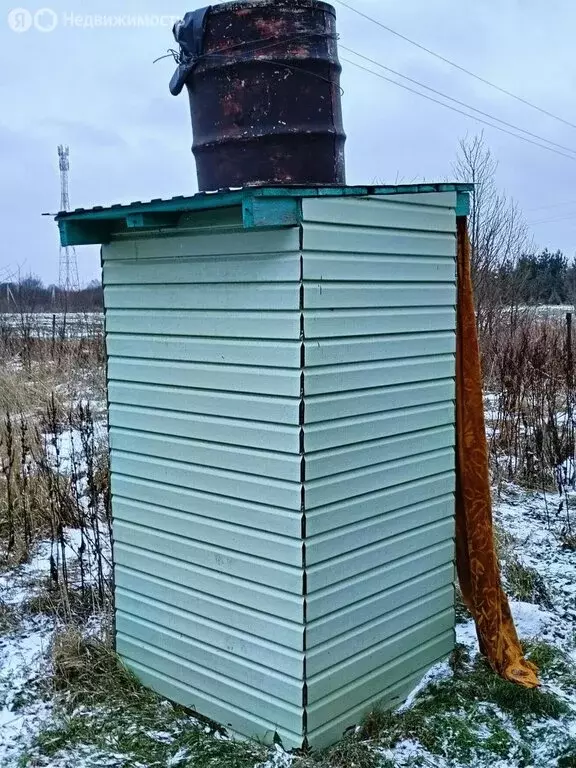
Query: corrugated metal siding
(379,325)
(204,388)
(282,435)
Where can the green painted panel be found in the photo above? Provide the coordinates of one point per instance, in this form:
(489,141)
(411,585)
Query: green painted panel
(360,645)
(383,601)
(327,608)
(357,429)
(390,698)
(342,239)
(271,212)
(361,695)
(203,244)
(262,268)
(240,432)
(381,553)
(429,640)
(258,597)
(221,219)
(334,460)
(243,644)
(463,205)
(218,378)
(241,325)
(216,686)
(280,354)
(197,654)
(358,403)
(184,595)
(420,486)
(364,533)
(236,537)
(324,323)
(236,485)
(195,452)
(344,295)
(389,212)
(185,401)
(362,481)
(214,507)
(199,554)
(446,198)
(239,720)
(393,269)
(380,373)
(364,348)
(231,297)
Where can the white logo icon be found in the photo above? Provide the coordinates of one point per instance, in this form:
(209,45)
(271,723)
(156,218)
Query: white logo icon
(20,20)
(45,20)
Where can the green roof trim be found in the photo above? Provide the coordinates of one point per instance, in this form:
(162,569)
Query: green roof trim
(261,206)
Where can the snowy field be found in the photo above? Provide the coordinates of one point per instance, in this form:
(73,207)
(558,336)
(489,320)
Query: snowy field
(45,325)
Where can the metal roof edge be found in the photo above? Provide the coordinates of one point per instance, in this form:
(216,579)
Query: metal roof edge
(262,206)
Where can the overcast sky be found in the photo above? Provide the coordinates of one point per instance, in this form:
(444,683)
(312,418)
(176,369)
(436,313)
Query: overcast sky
(96,89)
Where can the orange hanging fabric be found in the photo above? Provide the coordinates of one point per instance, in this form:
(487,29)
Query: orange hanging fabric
(477,563)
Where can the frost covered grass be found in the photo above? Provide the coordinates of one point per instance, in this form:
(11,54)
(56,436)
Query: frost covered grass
(106,712)
(474,714)
(66,701)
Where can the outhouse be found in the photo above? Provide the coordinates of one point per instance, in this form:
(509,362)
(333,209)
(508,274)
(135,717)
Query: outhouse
(281,367)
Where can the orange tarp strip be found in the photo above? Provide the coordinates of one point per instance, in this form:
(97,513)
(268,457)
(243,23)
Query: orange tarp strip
(476,559)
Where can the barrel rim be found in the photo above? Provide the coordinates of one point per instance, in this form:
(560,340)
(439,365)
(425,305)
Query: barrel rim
(239,5)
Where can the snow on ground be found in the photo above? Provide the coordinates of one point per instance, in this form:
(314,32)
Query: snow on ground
(534,521)
(45,325)
(25,660)
(23,657)
(278,759)
(537,522)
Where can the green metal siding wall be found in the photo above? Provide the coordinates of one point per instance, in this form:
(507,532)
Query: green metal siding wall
(379,322)
(204,388)
(282,433)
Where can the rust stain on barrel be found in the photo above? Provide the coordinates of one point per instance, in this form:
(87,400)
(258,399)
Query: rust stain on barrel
(265,97)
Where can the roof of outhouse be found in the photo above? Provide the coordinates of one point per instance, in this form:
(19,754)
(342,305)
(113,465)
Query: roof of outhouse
(262,206)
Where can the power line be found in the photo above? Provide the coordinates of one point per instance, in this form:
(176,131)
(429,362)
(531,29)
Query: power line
(551,221)
(553,205)
(454,64)
(456,101)
(460,111)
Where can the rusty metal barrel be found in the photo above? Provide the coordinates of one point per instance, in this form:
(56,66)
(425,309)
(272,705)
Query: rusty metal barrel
(263,78)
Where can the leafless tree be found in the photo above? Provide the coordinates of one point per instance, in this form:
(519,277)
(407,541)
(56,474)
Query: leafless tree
(497,228)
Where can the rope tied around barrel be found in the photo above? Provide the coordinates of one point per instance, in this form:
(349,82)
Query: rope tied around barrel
(187,62)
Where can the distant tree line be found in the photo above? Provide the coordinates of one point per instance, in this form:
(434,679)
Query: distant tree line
(507,269)
(538,278)
(31,295)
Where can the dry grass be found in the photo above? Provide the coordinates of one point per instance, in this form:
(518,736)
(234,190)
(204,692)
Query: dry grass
(40,362)
(86,667)
(529,364)
(49,482)
(9,618)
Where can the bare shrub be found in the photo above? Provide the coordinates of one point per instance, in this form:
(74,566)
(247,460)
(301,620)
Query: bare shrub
(531,431)
(54,489)
(498,232)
